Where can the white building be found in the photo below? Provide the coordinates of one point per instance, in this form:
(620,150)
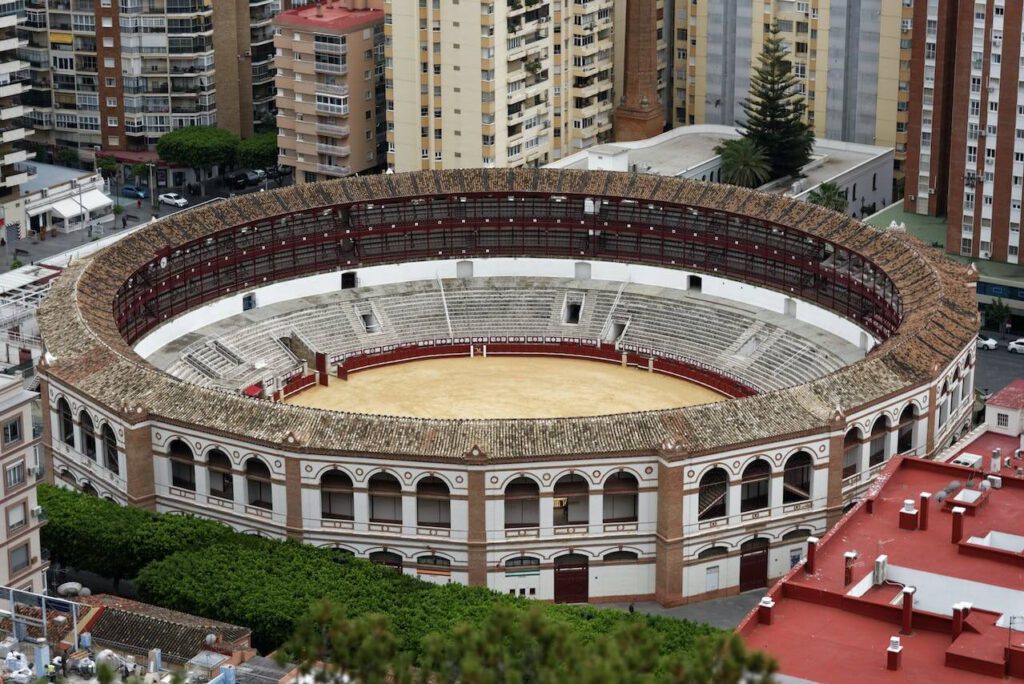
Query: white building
(60,199)
(862,172)
(1004,412)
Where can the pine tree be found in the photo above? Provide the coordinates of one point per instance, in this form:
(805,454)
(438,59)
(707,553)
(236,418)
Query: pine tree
(774,111)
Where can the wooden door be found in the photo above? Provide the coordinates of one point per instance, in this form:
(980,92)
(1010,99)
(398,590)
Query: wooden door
(572,573)
(754,564)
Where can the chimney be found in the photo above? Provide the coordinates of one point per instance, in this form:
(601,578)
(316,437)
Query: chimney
(995,463)
(812,551)
(922,518)
(640,115)
(849,558)
(764,611)
(958,524)
(869,506)
(893,654)
(908,515)
(908,610)
(319,9)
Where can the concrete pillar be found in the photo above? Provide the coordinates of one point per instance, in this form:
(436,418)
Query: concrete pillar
(931,418)
(775,493)
(409,511)
(202,480)
(732,499)
(47,443)
(547,514)
(668,574)
(239,491)
(361,507)
(293,498)
(477,528)
(891,443)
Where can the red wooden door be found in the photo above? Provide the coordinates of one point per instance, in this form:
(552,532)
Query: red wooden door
(572,573)
(754,564)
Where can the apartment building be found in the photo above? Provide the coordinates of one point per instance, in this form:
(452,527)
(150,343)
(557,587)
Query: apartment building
(851,59)
(13,83)
(330,94)
(966,156)
(21,564)
(522,82)
(117,74)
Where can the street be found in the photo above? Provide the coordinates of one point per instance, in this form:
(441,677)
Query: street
(998,367)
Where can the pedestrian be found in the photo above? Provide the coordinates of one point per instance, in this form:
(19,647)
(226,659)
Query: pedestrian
(124,222)
(631,608)
(138,203)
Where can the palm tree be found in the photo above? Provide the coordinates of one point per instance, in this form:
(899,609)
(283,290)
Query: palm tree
(828,195)
(744,162)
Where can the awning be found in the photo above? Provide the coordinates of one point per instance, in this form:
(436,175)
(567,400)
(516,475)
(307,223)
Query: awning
(38,210)
(61,38)
(79,204)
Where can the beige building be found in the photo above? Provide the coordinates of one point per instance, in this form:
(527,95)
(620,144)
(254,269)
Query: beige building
(21,564)
(851,57)
(329,103)
(497,83)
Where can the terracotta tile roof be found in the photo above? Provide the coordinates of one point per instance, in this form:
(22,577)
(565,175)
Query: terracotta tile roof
(1011,396)
(132,627)
(88,351)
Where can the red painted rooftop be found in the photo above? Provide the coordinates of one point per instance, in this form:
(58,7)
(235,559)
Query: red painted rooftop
(983,446)
(821,633)
(1011,396)
(333,18)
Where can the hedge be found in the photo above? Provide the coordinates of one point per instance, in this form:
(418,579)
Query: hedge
(201,567)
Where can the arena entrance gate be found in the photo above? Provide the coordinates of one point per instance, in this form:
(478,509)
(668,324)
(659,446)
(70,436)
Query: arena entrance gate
(754,564)
(387,559)
(572,574)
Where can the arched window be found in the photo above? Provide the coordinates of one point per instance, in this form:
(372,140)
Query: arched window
(796,478)
(68,477)
(755,489)
(433,503)
(572,501)
(89,490)
(713,494)
(851,452)
(218,466)
(620,498)
(522,503)
(387,559)
(385,499)
(66,421)
(257,482)
(905,436)
(433,565)
(336,499)
(879,436)
(88,434)
(522,563)
(183,465)
(110,449)
(713,552)
(621,557)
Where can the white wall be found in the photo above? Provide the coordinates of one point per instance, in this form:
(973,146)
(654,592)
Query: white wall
(371,276)
(1013,417)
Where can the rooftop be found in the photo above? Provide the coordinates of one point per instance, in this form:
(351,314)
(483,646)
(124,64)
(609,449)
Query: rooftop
(49,175)
(825,628)
(1011,396)
(329,16)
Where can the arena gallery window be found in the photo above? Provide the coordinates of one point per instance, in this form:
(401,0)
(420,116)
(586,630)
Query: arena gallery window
(257,482)
(621,494)
(336,497)
(66,422)
(433,503)
(756,486)
(385,499)
(713,494)
(572,501)
(183,465)
(218,468)
(110,449)
(522,503)
(88,434)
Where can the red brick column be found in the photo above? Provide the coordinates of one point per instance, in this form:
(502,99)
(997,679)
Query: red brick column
(477,527)
(138,453)
(668,574)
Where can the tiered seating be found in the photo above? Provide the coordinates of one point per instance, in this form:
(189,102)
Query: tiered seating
(761,350)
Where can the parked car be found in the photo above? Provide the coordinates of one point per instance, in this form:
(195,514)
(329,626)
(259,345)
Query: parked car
(260,173)
(985,342)
(174,199)
(253,178)
(135,191)
(235,180)
(1016,347)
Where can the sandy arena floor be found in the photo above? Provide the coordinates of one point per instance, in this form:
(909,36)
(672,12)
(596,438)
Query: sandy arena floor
(504,387)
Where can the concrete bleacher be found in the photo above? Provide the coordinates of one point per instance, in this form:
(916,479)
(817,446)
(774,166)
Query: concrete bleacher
(763,349)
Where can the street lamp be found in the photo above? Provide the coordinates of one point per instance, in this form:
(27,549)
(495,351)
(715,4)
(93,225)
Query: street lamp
(152,185)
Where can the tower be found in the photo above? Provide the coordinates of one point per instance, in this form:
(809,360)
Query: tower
(639,114)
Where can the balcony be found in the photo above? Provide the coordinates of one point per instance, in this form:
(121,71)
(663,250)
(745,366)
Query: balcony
(338,150)
(332,170)
(332,89)
(330,68)
(12,134)
(340,131)
(337,110)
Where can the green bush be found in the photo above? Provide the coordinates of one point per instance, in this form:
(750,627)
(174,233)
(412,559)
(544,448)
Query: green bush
(201,567)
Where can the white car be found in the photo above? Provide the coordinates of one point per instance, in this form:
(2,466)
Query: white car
(174,199)
(985,342)
(1017,346)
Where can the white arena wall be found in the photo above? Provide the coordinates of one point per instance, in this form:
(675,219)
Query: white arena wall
(371,276)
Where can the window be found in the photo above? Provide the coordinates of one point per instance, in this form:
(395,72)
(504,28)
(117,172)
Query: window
(712,494)
(336,498)
(257,482)
(620,498)
(905,435)
(218,468)
(433,503)
(879,435)
(755,487)
(522,503)
(66,422)
(88,434)
(1002,420)
(110,449)
(12,430)
(851,453)
(19,558)
(433,565)
(621,557)
(385,499)
(14,475)
(15,517)
(796,478)
(183,466)
(572,501)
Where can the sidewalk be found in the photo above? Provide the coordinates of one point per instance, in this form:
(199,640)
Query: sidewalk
(723,613)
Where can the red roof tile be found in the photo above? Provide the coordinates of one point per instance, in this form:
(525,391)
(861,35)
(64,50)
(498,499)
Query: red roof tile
(1011,396)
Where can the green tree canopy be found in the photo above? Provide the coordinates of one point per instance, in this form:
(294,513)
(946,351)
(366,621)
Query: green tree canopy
(744,163)
(107,167)
(997,313)
(198,147)
(774,110)
(68,156)
(259,151)
(828,195)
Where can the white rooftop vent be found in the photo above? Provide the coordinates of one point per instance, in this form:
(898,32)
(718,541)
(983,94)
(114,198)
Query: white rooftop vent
(878,575)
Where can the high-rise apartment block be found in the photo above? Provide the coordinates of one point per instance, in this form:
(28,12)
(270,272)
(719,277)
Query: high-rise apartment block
(851,59)
(330,102)
(13,83)
(966,156)
(117,74)
(498,82)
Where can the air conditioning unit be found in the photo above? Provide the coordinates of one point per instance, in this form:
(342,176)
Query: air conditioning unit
(39,513)
(931,191)
(985,255)
(878,575)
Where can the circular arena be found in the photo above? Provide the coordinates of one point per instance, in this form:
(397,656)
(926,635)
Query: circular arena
(560,384)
